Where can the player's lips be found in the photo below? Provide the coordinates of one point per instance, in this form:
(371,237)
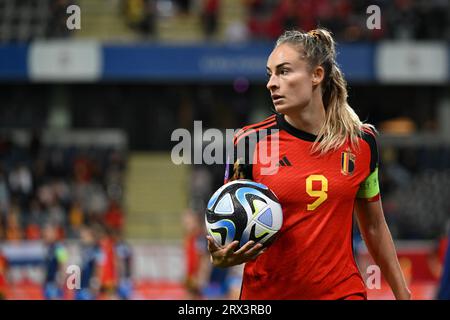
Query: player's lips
(276,98)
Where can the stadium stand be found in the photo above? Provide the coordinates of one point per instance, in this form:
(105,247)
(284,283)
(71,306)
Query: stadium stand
(223,21)
(65,185)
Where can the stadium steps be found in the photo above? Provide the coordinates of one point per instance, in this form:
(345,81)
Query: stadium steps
(187,28)
(180,28)
(101,20)
(156,195)
(232,11)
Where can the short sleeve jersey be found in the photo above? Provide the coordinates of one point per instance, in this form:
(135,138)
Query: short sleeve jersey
(312,256)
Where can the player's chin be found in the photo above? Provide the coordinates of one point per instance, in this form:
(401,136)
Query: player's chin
(282,108)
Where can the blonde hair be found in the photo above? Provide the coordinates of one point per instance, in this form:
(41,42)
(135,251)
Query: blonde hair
(341,122)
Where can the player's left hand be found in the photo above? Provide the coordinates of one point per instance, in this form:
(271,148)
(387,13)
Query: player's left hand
(227,257)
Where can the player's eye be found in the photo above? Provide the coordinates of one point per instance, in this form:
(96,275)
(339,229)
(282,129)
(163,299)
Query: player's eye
(284,72)
(268,75)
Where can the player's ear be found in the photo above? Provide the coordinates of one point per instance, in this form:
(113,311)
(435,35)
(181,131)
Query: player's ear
(318,75)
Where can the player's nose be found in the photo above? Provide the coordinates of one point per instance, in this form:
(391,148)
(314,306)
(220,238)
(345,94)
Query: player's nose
(272,83)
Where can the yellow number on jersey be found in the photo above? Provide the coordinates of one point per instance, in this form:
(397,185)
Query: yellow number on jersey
(321,194)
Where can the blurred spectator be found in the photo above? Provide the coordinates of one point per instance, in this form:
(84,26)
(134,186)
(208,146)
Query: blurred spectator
(3,277)
(237,32)
(2,230)
(62,192)
(5,145)
(148,22)
(57,22)
(90,259)
(97,202)
(55,264)
(196,256)
(21,184)
(35,213)
(285,17)
(339,17)
(132,10)
(76,218)
(35,144)
(140,15)
(184,6)
(114,217)
(201,186)
(34,221)
(256,10)
(114,175)
(436,259)
(402,19)
(4,194)
(13,229)
(124,255)
(56,216)
(32,232)
(83,168)
(57,165)
(394,175)
(107,263)
(444,286)
(45,195)
(210,17)
(40,172)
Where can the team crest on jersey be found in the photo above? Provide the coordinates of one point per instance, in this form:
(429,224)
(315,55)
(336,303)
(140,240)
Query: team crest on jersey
(347,163)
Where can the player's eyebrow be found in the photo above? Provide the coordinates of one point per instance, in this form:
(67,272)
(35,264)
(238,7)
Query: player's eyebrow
(278,66)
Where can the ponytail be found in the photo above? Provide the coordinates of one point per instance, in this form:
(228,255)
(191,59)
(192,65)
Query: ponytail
(341,121)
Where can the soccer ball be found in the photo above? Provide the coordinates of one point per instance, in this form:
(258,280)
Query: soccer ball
(243,210)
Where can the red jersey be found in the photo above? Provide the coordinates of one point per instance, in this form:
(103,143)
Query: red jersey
(312,256)
(442,249)
(193,246)
(3,266)
(108,275)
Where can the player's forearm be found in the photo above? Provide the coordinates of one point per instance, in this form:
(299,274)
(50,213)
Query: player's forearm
(381,247)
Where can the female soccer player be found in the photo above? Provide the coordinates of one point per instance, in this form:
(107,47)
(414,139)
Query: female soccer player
(327,167)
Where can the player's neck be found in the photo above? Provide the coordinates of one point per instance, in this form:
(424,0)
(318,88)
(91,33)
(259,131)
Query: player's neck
(310,118)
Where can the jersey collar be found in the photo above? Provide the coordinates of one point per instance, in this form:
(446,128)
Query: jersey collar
(303,135)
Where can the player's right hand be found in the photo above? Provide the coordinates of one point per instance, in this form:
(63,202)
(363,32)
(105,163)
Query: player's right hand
(227,257)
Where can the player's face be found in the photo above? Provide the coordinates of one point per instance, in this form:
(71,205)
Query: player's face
(86,236)
(290,79)
(49,234)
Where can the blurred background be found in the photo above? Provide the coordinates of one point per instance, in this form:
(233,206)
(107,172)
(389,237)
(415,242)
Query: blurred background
(86,117)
